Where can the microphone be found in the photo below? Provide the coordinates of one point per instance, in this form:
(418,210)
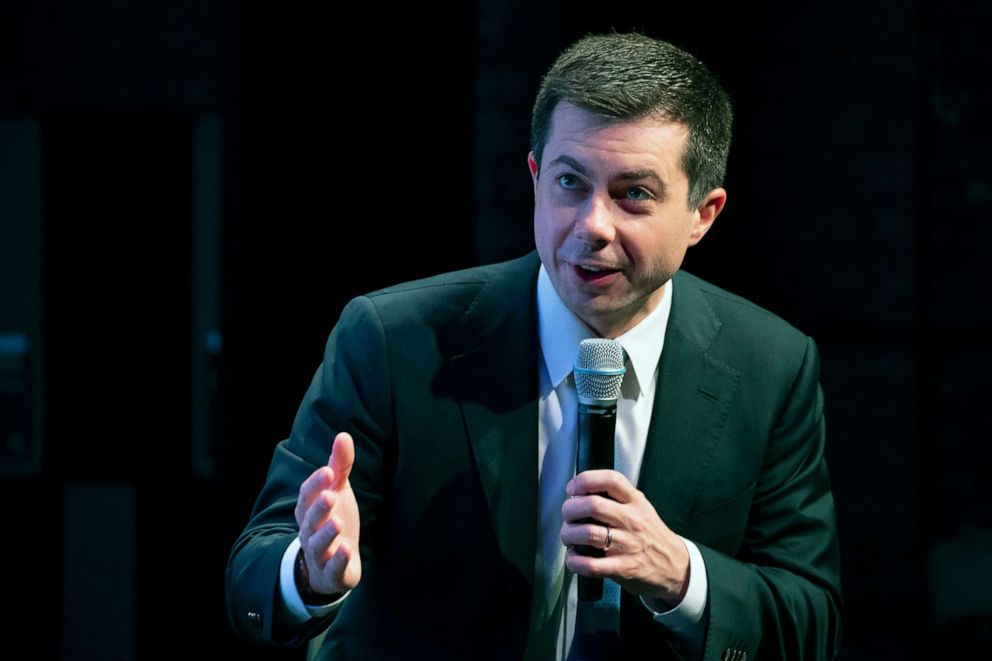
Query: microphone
(599,369)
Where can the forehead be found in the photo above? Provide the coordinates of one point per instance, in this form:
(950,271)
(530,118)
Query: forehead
(604,143)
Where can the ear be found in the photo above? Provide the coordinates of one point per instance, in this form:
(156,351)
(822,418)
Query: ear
(706,213)
(532,164)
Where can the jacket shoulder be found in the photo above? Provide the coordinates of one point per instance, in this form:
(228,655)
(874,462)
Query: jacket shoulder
(469,279)
(486,294)
(732,308)
(744,334)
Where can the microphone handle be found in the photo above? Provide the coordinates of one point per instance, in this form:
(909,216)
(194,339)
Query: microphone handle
(597,429)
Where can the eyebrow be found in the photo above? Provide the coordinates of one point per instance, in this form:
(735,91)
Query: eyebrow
(632,175)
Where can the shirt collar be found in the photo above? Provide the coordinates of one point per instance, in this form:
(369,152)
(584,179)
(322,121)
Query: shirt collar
(560,331)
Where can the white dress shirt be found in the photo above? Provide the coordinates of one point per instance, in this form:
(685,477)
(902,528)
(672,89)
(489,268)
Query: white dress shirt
(560,332)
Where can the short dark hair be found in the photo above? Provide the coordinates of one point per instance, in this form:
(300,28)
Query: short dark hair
(632,76)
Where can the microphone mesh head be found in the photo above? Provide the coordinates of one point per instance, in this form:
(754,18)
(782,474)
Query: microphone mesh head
(599,369)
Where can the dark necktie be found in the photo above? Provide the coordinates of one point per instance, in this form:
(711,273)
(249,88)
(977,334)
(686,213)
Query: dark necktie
(597,626)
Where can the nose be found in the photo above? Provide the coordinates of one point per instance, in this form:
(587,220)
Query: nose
(594,222)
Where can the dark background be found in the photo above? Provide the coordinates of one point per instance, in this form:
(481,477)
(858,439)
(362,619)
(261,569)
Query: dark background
(190,192)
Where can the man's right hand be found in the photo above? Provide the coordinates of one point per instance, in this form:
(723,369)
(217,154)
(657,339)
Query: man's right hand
(327,515)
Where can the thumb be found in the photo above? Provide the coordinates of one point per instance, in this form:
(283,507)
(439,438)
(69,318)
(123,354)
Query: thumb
(342,459)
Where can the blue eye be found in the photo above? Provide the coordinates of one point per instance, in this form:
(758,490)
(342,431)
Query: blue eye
(568,181)
(638,195)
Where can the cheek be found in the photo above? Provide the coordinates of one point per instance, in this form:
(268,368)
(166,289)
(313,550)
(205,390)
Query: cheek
(543,237)
(653,252)
(548,226)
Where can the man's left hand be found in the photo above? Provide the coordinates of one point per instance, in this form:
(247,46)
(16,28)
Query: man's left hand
(644,556)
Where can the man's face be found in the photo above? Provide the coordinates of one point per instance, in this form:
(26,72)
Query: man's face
(611,221)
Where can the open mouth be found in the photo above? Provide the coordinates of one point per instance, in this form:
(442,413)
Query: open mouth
(594,274)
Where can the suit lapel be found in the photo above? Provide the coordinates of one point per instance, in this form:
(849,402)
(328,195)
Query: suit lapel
(498,382)
(690,410)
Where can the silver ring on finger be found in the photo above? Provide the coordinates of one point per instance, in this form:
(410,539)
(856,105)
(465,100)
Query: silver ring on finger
(609,538)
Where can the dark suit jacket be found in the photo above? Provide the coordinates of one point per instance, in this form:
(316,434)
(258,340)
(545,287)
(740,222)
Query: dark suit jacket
(437,382)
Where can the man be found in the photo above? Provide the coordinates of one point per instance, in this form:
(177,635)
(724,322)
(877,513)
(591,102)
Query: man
(447,521)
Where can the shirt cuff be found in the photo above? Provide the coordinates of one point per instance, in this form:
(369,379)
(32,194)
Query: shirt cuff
(686,619)
(299,611)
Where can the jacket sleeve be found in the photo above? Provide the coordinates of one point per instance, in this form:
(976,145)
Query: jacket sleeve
(779,597)
(349,392)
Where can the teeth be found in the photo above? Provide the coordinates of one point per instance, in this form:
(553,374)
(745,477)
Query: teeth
(594,269)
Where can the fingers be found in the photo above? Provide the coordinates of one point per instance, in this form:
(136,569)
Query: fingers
(327,515)
(584,565)
(318,513)
(342,459)
(334,476)
(594,535)
(328,557)
(613,483)
(318,544)
(603,510)
(643,554)
(318,481)
(338,563)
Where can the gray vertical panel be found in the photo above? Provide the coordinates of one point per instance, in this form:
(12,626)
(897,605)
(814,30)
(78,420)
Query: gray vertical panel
(20,298)
(207,338)
(98,572)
